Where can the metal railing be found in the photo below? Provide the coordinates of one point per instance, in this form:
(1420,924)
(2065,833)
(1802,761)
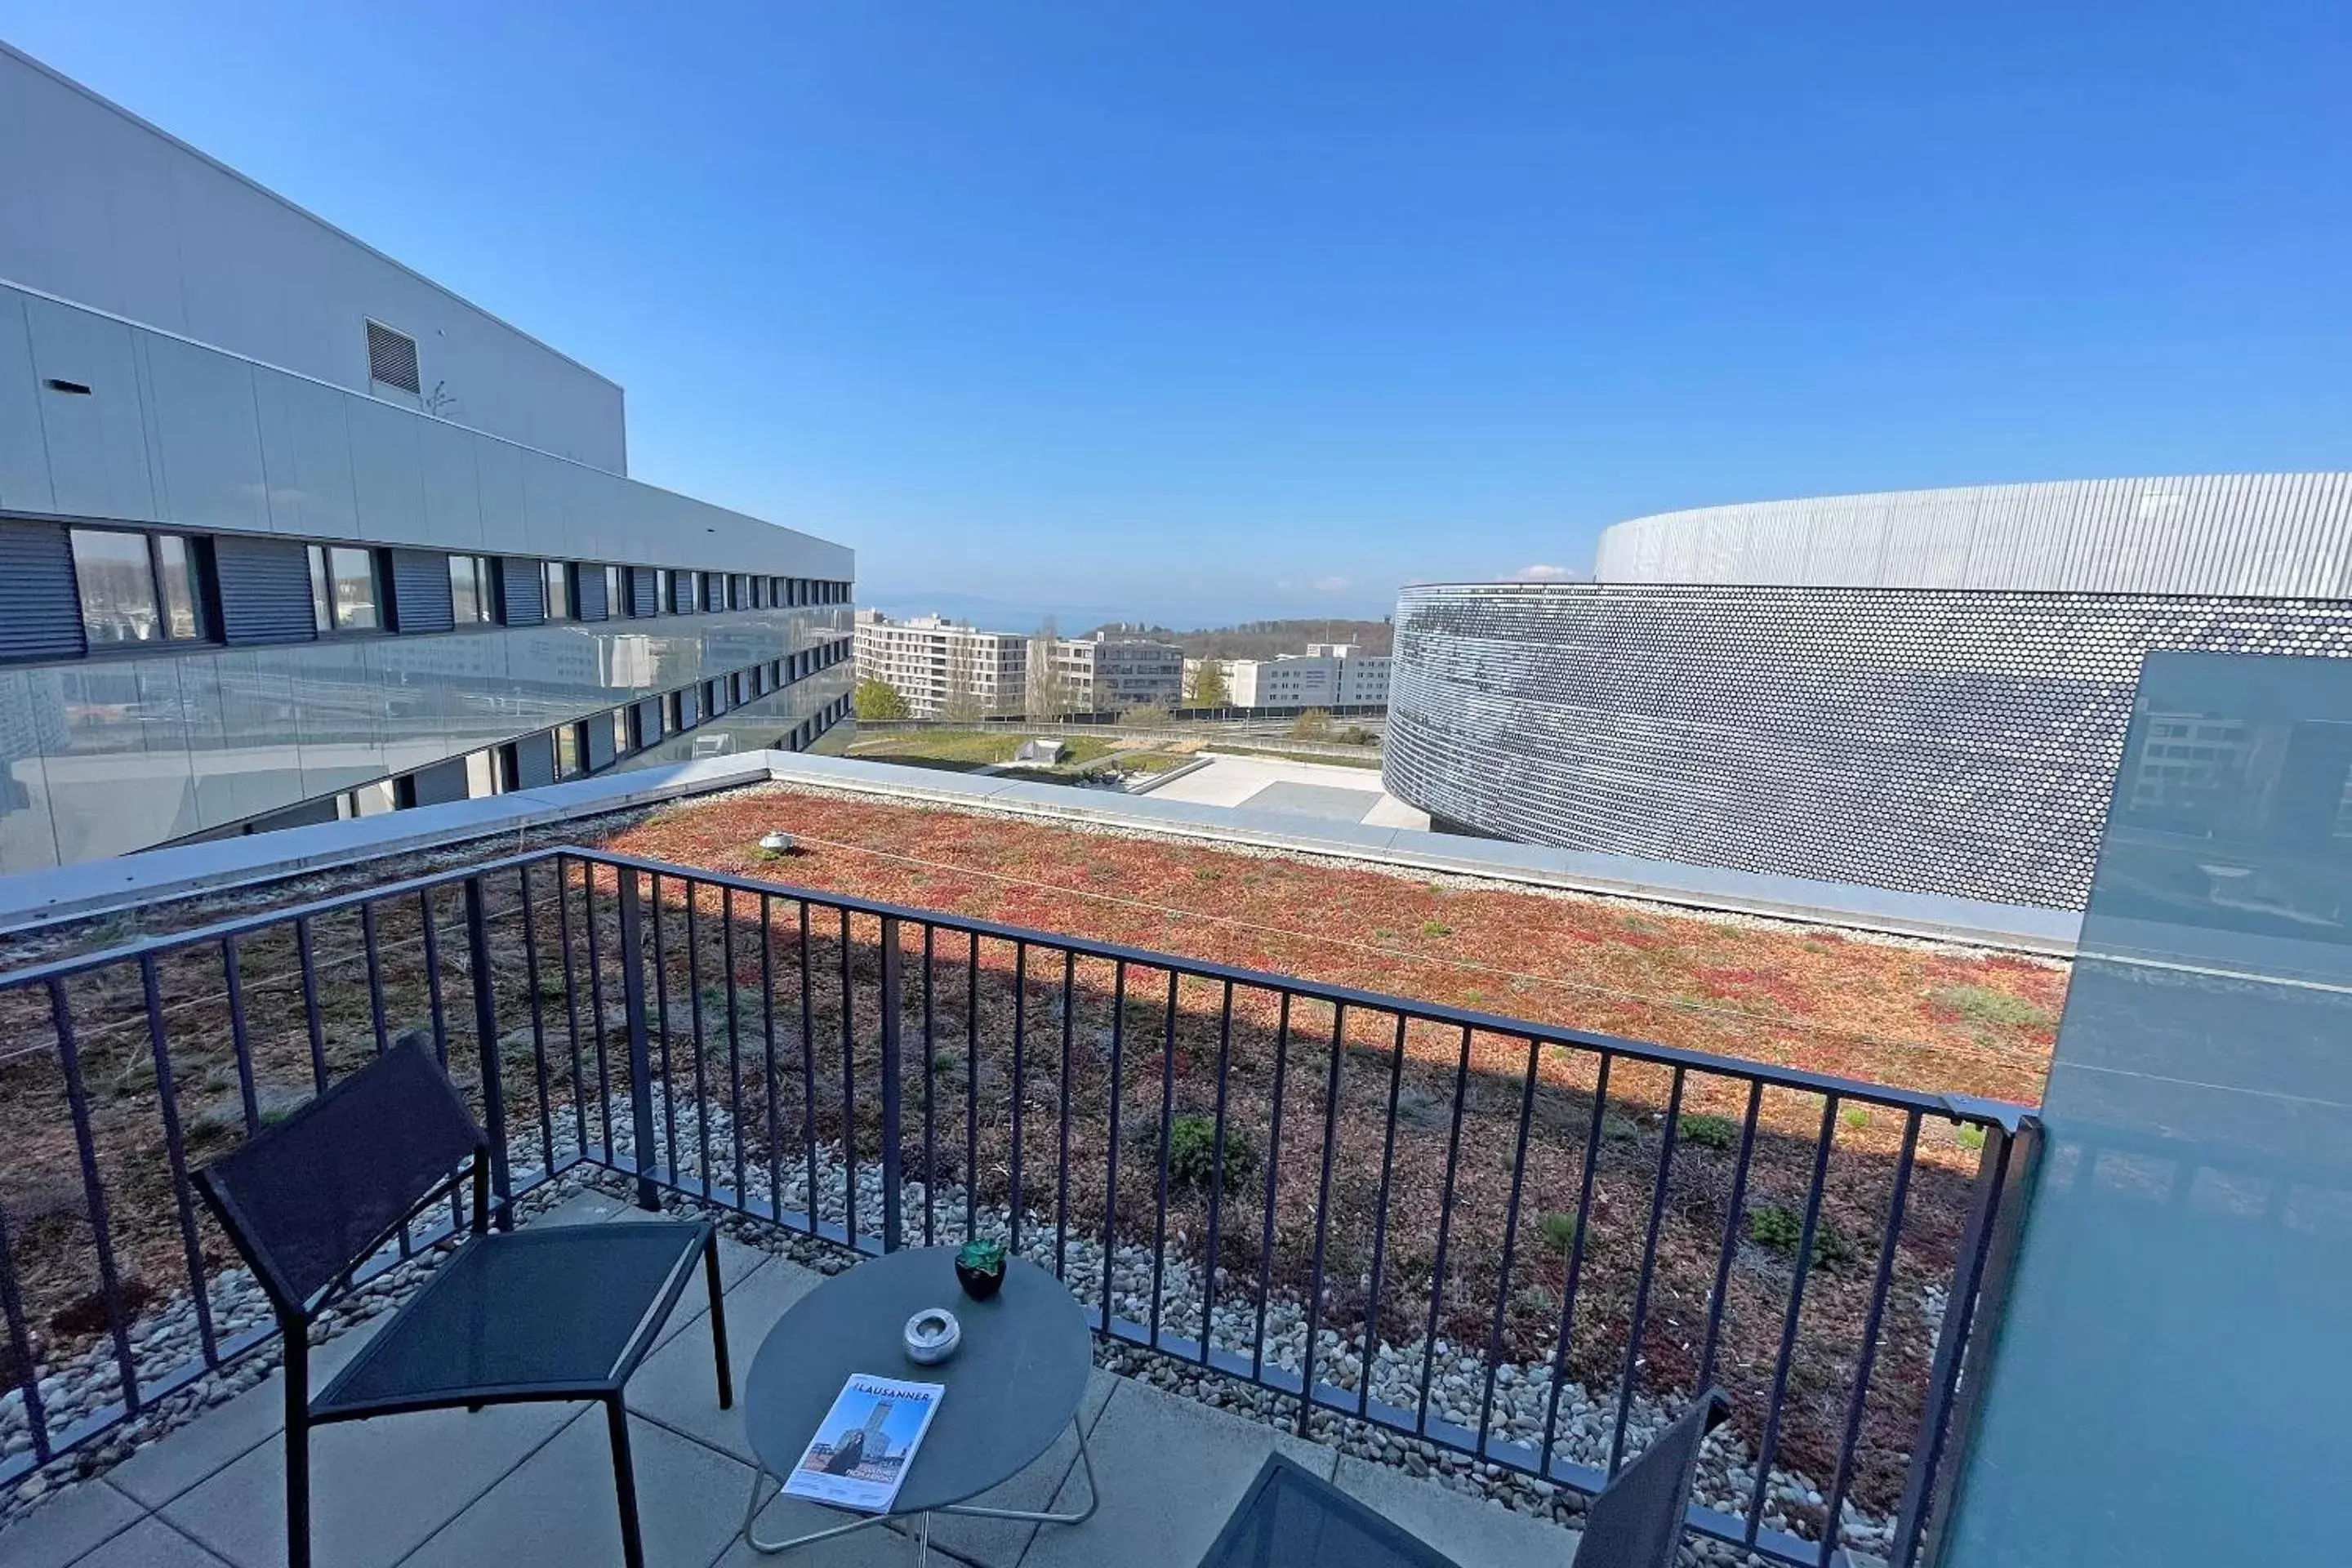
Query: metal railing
(1508,1240)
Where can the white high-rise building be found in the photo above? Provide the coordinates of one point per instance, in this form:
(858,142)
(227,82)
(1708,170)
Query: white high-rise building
(944,669)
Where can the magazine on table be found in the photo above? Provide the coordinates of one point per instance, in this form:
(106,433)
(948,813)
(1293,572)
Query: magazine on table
(861,1449)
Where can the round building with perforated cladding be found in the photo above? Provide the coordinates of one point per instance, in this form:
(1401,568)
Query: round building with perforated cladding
(1925,691)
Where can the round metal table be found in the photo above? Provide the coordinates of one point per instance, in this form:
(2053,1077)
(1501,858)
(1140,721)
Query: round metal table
(1013,1382)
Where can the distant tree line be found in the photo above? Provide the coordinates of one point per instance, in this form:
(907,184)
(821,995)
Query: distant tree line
(1263,639)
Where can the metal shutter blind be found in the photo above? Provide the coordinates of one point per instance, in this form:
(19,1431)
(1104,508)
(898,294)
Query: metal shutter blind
(392,358)
(642,598)
(440,783)
(648,729)
(600,741)
(40,611)
(522,592)
(420,592)
(690,708)
(265,590)
(591,594)
(534,762)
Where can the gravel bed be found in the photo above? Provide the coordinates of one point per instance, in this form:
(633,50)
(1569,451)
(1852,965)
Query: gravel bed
(167,1337)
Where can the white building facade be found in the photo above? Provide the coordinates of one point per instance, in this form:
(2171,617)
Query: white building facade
(1337,676)
(289,532)
(944,669)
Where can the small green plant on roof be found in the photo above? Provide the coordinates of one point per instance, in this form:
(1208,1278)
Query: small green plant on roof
(1857,1116)
(1984,1005)
(1970,1137)
(1707,1131)
(1621,1129)
(1192,1152)
(1780,1229)
(1436,928)
(1558,1232)
(550,988)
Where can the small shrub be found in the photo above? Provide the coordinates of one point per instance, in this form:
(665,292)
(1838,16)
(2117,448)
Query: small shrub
(1537,1299)
(1558,1232)
(1970,1137)
(1770,1225)
(1147,717)
(1206,874)
(1436,928)
(1780,1229)
(1192,1152)
(551,988)
(1621,1129)
(1984,1005)
(1315,724)
(1355,735)
(1474,995)
(1857,1117)
(1707,1131)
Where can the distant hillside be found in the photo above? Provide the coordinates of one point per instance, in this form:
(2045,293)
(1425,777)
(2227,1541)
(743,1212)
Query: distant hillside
(1263,639)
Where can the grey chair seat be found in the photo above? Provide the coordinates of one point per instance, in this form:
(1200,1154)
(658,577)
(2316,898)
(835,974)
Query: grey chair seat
(562,1313)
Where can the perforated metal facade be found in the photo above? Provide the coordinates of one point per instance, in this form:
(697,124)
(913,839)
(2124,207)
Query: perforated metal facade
(1942,742)
(2285,534)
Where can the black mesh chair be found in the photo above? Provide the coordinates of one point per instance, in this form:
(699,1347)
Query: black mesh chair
(1290,1518)
(1637,1519)
(565,1312)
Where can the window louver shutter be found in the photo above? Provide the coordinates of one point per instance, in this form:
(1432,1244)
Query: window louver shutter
(392,358)
(40,612)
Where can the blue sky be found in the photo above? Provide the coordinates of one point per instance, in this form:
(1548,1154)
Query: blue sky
(1200,311)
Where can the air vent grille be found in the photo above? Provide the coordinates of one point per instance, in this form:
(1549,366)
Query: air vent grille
(392,358)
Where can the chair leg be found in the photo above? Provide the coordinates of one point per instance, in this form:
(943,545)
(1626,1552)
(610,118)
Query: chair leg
(717,1321)
(298,1450)
(624,1483)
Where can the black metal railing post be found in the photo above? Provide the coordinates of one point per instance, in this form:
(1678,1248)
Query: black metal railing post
(892,988)
(485,1032)
(632,1002)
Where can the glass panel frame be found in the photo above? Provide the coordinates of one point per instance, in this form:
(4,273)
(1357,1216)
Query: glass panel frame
(556,577)
(114,574)
(354,589)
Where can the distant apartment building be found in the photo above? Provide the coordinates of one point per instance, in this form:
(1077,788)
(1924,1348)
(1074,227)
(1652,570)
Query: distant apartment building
(944,669)
(1108,673)
(947,668)
(1329,675)
(289,533)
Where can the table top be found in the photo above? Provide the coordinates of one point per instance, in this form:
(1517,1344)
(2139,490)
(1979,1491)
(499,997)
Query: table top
(1011,1385)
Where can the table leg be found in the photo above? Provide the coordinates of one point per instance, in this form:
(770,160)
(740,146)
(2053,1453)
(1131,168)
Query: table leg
(1031,1516)
(751,1511)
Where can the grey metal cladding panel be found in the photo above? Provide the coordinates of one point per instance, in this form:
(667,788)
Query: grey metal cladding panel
(420,592)
(440,783)
(534,762)
(2267,535)
(522,591)
(642,584)
(588,589)
(265,590)
(1932,742)
(40,612)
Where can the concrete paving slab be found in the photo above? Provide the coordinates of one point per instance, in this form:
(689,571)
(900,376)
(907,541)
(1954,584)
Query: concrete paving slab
(558,1509)
(1171,1470)
(1472,1532)
(150,1543)
(1001,1543)
(68,1525)
(379,1487)
(226,1433)
(678,1386)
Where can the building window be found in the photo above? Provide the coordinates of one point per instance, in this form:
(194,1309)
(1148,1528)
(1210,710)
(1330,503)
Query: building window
(613,600)
(469,589)
(661,592)
(344,596)
(714,591)
(559,591)
(567,751)
(620,717)
(136,587)
(686,594)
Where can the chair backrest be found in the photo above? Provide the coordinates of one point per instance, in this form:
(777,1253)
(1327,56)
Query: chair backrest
(306,1199)
(1637,1519)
